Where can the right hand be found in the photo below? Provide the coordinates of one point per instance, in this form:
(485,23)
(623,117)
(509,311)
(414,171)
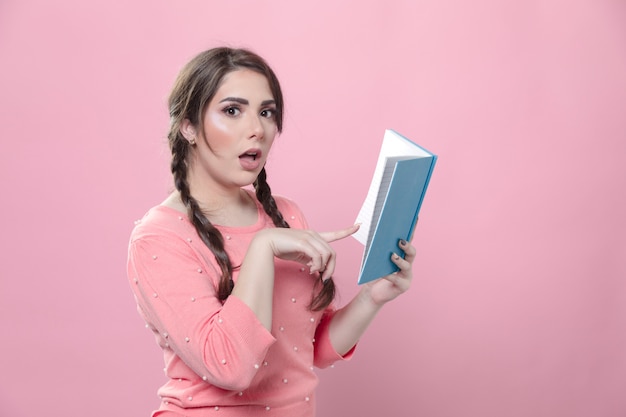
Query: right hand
(306,247)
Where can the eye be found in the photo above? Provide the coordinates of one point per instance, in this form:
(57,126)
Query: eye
(232,111)
(268,113)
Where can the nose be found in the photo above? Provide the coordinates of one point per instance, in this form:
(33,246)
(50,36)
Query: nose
(256,127)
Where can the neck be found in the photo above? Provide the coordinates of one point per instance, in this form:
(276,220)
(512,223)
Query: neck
(234,209)
(211,201)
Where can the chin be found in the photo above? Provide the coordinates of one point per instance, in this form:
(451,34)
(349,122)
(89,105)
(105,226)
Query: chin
(247,181)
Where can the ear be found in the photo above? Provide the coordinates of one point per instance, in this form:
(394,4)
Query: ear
(188,131)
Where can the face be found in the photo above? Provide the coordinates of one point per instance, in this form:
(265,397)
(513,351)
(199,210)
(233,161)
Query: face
(239,129)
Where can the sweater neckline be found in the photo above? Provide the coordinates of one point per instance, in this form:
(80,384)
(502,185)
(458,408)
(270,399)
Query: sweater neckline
(258,225)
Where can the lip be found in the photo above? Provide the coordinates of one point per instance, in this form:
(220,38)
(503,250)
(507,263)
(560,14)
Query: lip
(251,163)
(257,151)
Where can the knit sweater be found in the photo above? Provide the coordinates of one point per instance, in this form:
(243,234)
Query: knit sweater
(218,356)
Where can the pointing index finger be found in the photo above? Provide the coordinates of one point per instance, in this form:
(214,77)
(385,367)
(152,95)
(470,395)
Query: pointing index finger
(340,234)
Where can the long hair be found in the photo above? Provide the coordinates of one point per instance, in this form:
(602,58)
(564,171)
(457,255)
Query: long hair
(193,90)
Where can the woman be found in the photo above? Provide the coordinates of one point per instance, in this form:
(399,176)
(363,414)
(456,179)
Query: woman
(236,288)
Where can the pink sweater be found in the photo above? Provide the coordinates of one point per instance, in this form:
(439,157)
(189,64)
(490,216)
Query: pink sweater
(219,358)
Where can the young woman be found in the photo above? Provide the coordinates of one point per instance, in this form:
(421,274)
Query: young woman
(236,288)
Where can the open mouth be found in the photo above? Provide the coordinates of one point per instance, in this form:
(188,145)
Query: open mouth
(250,155)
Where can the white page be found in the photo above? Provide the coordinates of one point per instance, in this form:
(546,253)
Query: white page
(374,211)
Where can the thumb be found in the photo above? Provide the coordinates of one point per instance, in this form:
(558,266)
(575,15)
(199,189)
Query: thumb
(340,234)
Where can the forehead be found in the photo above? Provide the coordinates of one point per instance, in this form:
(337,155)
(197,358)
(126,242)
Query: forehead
(244,83)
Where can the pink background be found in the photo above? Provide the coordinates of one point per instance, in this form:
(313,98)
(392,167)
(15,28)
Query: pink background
(519,302)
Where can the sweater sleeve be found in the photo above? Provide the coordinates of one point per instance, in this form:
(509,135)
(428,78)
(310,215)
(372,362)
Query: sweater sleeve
(324,353)
(175,291)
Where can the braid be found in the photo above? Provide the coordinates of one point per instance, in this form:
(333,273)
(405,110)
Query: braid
(324,297)
(264,195)
(207,232)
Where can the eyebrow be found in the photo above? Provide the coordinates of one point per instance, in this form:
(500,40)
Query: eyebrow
(246,102)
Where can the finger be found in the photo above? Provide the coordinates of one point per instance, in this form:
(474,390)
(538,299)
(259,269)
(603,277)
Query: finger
(399,282)
(322,262)
(328,259)
(340,234)
(403,277)
(393,278)
(400,262)
(322,254)
(330,268)
(409,250)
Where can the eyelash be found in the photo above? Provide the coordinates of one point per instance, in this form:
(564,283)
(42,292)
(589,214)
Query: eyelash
(229,110)
(272,113)
(234,111)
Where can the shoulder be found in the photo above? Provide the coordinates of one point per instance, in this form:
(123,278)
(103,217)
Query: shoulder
(164,234)
(161,221)
(291,212)
(286,204)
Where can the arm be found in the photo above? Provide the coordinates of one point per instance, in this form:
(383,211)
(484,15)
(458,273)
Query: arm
(175,292)
(350,322)
(255,283)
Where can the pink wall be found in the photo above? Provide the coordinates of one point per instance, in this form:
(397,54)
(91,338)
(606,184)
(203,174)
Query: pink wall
(519,305)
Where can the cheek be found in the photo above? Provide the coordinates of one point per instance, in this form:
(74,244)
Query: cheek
(271,130)
(216,130)
(215,121)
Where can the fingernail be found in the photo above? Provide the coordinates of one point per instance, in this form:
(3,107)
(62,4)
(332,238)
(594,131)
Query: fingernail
(395,257)
(402,242)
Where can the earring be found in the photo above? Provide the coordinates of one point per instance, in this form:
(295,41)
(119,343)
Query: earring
(192,141)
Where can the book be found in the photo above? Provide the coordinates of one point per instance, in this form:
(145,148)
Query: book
(392,205)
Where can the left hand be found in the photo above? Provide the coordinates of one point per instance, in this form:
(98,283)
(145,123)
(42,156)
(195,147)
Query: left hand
(389,287)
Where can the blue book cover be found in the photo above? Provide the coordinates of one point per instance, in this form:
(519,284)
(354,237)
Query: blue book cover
(393,203)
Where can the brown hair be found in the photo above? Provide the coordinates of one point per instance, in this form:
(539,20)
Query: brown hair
(193,90)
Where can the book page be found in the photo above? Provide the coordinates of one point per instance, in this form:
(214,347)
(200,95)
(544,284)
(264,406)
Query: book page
(393,145)
(368,208)
(373,211)
(385,182)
